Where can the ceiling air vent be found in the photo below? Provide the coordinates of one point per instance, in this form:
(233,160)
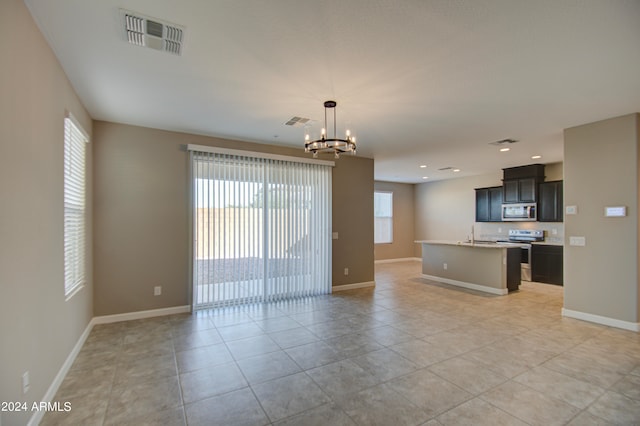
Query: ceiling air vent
(297,121)
(153,33)
(503,142)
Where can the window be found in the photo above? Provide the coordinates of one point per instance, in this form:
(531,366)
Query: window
(75,141)
(383,213)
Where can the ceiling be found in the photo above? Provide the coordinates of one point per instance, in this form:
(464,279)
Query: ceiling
(423,82)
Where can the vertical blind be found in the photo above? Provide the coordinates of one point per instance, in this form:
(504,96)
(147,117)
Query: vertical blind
(75,143)
(261,229)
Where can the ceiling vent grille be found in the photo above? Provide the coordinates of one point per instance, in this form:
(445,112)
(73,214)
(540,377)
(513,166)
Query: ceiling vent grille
(153,33)
(297,121)
(503,142)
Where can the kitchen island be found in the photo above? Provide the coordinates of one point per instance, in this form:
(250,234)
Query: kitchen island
(491,267)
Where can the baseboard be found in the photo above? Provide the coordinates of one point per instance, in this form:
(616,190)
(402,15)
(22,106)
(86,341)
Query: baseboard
(37,416)
(470,286)
(352,286)
(107,319)
(401,259)
(611,322)
(62,373)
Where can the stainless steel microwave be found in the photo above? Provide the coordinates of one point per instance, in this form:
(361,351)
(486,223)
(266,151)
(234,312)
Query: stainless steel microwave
(519,212)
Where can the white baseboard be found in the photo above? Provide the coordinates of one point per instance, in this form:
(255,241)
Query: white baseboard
(401,259)
(611,322)
(471,286)
(352,286)
(37,416)
(107,319)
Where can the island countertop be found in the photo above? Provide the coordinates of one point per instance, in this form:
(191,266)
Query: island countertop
(479,244)
(492,267)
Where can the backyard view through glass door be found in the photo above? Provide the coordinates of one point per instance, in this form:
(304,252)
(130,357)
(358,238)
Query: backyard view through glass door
(261,229)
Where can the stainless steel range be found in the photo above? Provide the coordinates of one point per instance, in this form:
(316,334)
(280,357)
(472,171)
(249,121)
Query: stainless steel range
(525,236)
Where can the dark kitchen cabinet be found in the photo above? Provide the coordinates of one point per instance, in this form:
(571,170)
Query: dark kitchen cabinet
(489,204)
(520,184)
(546,264)
(550,203)
(520,190)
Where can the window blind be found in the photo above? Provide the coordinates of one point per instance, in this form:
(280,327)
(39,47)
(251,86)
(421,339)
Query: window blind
(262,229)
(383,217)
(74,206)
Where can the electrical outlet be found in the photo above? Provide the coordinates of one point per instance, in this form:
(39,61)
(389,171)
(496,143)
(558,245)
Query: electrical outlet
(444,265)
(346,271)
(499,230)
(157,290)
(25,382)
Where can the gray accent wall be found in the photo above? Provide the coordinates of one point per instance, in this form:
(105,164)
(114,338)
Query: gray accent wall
(141,192)
(38,327)
(601,167)
(403,221)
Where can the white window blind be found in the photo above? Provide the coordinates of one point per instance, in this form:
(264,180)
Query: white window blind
(262,229)
(383,217)
(75,142)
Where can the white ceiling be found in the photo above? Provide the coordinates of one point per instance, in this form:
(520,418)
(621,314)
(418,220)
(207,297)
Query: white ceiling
(423,81)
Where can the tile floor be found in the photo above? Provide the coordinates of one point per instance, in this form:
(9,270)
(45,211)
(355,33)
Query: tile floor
(410,352)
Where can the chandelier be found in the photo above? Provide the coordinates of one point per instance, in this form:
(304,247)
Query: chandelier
(325,144)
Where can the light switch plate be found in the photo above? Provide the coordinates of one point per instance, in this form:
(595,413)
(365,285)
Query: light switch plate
(577,241)
(334,235)
(571,210)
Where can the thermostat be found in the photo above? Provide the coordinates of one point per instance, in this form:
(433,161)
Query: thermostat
(617,211)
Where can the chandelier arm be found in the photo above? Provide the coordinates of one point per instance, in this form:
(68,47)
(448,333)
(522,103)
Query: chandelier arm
(334,122)
(325,122)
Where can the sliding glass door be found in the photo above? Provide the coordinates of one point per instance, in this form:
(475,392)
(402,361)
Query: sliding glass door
(261,229)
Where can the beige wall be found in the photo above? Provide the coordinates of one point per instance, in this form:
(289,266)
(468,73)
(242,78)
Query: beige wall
(141,216)
(601,169)
(553,171)
(353,220)
(403,221)
(446,210)
(38,328)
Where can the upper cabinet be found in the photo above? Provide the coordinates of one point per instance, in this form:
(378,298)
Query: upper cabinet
(489,204)
(524,184)
(520,191)
(550,204)
(520,184)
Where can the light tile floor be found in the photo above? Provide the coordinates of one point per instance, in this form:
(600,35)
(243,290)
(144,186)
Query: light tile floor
(410,352)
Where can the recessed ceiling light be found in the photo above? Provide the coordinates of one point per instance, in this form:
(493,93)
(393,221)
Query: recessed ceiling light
(504,149)
(456,170)
(425,177)
(535,157)
(423,166)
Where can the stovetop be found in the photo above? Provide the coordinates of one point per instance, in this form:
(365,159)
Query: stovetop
(526,235)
